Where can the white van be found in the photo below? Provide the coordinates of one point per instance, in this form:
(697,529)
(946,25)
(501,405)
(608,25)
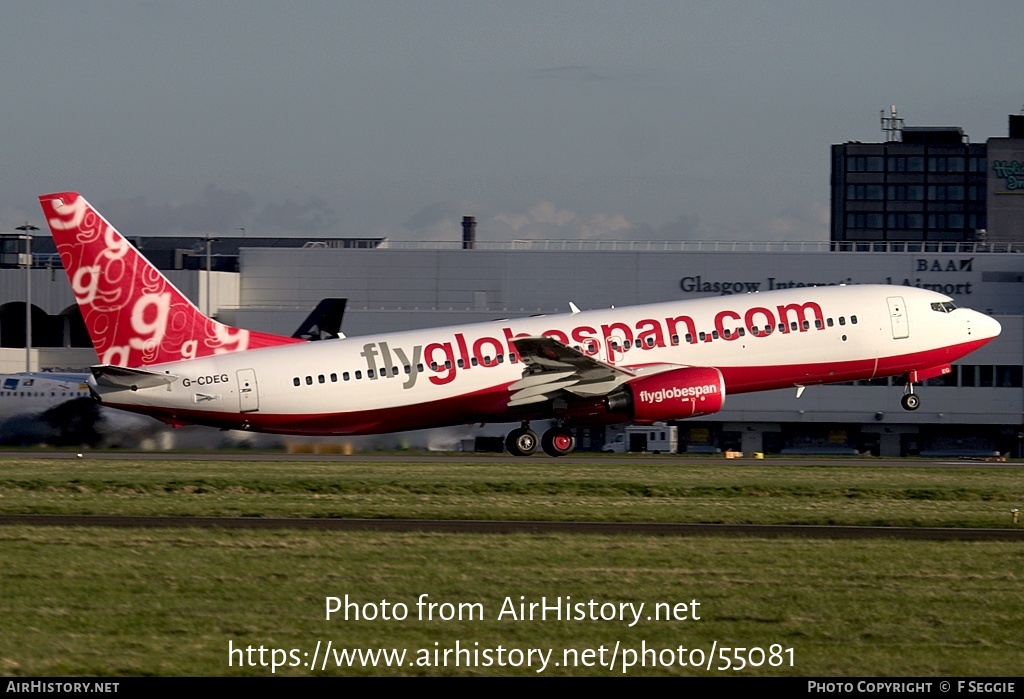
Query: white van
(658,438)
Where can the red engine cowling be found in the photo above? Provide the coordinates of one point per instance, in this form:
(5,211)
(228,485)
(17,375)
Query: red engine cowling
(670,395)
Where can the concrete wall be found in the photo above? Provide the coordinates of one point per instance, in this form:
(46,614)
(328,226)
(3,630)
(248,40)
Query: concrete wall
(532,281)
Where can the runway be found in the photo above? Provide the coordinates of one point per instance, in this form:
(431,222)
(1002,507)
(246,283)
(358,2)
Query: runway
(522,527)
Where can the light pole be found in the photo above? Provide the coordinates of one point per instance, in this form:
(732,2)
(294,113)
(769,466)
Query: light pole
(209,268)
(26,231)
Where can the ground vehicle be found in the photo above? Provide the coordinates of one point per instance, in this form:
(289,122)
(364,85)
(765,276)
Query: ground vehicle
(658,438)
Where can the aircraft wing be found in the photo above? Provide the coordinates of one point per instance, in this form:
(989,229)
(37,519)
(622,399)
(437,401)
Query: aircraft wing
(553,367)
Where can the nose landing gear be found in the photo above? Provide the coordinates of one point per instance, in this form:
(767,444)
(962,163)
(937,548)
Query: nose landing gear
(910,400)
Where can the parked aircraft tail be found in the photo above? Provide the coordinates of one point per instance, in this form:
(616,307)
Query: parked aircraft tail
(134,315)
(324,323)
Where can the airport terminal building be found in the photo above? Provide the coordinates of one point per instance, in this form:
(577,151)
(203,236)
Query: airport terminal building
(977,409)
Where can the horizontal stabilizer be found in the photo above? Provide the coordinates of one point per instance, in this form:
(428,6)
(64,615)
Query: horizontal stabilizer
(122,377)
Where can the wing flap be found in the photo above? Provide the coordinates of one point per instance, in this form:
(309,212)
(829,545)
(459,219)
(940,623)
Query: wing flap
(543,389)
(552,368)
(531,380)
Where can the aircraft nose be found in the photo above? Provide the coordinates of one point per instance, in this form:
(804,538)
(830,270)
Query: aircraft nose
(985,326)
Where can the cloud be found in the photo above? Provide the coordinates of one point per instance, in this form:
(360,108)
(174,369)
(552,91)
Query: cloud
(684,227)
(216,210)
(315,217)
(221,211)
(807,222)
(432,215)
(546,221)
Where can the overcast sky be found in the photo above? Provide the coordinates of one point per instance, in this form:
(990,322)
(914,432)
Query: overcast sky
(551,119)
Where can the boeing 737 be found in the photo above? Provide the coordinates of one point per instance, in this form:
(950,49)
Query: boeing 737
(666,361)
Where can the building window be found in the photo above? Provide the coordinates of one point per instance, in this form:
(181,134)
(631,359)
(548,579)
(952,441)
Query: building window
(864,192)
(903,221)
(906,192)
(864,220)
(941,163)
(1009,376)
(945,193)
(865,163)
(945,221)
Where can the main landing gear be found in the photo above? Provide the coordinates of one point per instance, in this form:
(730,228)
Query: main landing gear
(557,441)
(910,400)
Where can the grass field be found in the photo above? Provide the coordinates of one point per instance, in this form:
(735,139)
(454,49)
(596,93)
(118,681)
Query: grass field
(173,602)
(663,489)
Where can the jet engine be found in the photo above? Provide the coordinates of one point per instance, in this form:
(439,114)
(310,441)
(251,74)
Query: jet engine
(670,395)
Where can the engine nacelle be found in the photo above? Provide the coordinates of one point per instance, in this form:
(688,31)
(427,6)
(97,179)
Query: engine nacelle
(670,395)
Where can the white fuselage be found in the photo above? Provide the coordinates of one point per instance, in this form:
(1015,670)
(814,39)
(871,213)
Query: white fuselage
(461,374)
(35,393)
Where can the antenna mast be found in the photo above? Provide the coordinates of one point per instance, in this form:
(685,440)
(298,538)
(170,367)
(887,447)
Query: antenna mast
(892,125)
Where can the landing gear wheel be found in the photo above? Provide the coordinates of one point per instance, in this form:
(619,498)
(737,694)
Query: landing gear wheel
(910,402)
(521,441)
(558,441)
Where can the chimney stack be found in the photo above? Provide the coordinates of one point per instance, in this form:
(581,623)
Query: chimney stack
(468,232)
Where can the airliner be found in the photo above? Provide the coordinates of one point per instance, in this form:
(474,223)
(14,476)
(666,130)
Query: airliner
(37,392)
(159,355)
(45,407)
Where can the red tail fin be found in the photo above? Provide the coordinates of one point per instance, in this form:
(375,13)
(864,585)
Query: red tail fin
(135,316)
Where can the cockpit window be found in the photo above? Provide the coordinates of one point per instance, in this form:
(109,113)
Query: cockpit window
(944,306)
